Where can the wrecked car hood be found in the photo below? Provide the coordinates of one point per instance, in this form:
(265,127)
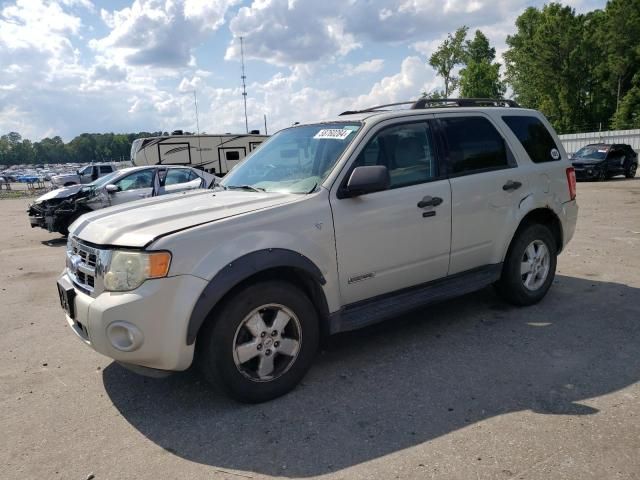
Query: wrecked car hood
(138,223)
(63,192)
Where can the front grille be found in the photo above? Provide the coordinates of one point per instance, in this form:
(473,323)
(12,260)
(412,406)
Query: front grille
(83,265)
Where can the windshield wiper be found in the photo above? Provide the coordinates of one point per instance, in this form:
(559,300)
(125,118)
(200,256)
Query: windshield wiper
(246,187)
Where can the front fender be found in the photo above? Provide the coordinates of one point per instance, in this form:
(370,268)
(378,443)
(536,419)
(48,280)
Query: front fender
(239,270)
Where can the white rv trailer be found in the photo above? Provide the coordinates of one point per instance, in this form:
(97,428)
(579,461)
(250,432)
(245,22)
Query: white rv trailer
(215,154)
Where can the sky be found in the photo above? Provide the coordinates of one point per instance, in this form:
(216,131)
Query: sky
(74,66)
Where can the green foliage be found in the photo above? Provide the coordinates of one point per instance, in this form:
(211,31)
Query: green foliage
(628,114)
(481,77)
(577,69)
(87,147)
(449,54)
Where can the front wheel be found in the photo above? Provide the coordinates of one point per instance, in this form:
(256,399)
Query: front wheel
(260,342)
(631,171)
(530,266)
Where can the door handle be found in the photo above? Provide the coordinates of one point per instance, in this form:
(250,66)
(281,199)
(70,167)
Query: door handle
(429,202)
(511,185)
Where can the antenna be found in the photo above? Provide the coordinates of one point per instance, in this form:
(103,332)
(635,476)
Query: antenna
(195,102)
(244,85)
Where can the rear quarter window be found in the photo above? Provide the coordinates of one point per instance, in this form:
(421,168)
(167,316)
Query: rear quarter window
(534,137)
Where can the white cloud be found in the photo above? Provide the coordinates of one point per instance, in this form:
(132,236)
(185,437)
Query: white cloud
(159,33)
(141,73)
(367,67)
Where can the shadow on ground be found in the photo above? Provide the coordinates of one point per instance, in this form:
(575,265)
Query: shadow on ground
(412,379)
(55,242)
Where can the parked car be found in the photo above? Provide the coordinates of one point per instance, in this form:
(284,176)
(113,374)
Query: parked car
(85,175)
(327,227)
(600,161)
(56,210)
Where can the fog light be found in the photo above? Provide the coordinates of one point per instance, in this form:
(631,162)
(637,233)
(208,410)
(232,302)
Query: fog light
(124,336)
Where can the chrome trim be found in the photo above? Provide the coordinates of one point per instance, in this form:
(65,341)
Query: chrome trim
(86,266)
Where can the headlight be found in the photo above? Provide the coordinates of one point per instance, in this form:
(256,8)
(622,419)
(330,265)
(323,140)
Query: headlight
(128,270)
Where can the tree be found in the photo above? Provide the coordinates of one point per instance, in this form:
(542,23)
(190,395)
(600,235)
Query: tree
(628,113)
(545,65)
(449,54)
(621,38)
(481,77)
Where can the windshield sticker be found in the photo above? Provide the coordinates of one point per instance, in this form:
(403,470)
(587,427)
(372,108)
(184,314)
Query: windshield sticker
(353,128)
(602,151)
(332,133)
(555,154)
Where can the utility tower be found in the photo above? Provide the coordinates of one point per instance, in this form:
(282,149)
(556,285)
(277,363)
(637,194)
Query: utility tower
(244,85)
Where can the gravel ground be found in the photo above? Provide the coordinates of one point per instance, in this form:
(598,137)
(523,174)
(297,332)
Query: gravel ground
(469,389)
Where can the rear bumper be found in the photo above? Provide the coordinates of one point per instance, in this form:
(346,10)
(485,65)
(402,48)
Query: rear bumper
(569,220)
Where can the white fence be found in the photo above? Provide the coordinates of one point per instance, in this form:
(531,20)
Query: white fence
(575,141)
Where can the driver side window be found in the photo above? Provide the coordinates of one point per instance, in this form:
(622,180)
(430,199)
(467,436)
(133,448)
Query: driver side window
(135,181)
(406,150)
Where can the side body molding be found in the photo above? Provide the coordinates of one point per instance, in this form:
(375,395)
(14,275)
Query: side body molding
(239,270)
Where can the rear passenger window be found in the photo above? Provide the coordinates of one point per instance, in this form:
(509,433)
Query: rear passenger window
(534,137)
(406,151)
(106,169)
(474,145)
(177,175)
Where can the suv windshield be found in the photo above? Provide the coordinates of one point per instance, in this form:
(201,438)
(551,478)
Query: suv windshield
(593,152)
(294,160)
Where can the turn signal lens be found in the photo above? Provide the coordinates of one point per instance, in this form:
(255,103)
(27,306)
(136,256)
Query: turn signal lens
(159,264)
(571,180)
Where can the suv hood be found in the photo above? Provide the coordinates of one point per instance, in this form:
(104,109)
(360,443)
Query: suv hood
(138,223)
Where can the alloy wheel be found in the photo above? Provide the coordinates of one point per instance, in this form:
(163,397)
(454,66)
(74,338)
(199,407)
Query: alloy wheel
(267,342)
(535,265)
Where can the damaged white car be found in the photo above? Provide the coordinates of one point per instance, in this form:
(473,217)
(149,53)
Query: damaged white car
(56,210)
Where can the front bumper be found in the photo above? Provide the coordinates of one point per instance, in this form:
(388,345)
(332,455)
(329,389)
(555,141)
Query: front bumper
(146,327)
(587,172)
(37,221)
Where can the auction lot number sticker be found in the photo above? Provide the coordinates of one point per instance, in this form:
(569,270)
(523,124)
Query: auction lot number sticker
(332,133)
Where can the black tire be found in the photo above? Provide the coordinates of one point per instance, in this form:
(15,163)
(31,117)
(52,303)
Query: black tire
(68,184)
(511,285)
(217,340)
(630,172)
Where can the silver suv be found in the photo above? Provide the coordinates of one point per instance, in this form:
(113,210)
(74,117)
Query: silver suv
(328,227)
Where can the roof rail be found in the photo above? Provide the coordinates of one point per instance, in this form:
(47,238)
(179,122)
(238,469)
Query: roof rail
(377,107)
(463,102)
(423,103)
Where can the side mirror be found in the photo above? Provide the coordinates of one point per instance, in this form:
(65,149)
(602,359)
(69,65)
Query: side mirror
(373,178)
(111,188)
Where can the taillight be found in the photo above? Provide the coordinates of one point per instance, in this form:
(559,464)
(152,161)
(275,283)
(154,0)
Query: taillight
(571,180)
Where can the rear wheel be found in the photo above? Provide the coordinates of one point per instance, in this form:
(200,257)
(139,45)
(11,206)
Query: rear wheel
(630,172)
(530,266)
(261,342)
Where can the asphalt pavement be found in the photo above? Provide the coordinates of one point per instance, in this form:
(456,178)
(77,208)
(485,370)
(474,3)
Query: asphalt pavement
(469,389)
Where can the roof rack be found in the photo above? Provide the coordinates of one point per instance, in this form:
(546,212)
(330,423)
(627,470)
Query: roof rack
(424,103)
